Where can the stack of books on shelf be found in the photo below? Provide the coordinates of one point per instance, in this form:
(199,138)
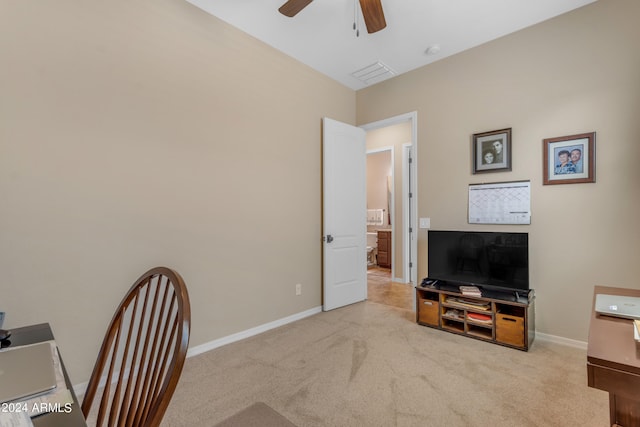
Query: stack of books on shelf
(480,318)
(471,291)
(467,303)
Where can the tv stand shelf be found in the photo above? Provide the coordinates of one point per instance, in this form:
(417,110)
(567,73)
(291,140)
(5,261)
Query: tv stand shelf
(500,321)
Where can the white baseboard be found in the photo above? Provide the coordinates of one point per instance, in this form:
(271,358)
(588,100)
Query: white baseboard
(561,340)
(193,351)
(79,389)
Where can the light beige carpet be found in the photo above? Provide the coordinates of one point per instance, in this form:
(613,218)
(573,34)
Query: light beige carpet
(257,415)
(371,365)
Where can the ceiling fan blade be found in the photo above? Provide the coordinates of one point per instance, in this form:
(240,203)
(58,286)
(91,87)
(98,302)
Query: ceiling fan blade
(292,7)
(373,15)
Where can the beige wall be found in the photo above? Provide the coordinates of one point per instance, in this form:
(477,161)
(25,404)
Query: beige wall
(394,136)
(577,73)
(136,134)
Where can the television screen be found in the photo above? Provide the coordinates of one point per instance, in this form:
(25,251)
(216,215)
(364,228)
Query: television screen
(488,259)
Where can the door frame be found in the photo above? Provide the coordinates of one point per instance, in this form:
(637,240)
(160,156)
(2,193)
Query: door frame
(408,165)
(411,237)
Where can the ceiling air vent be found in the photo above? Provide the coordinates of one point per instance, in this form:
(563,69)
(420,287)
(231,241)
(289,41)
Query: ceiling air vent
(373,73)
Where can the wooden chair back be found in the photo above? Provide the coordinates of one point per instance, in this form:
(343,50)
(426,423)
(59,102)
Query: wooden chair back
(142,354)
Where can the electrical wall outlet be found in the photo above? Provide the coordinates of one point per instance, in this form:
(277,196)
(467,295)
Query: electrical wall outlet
(298,289)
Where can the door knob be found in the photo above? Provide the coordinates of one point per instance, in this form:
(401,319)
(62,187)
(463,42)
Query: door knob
(329,238)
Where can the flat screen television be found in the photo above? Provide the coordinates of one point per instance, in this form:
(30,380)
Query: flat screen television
(492,260)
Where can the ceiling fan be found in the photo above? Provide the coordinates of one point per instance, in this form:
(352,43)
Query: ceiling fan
(371,11)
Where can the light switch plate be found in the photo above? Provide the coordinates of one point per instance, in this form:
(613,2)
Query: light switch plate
(425,222)
(1,318)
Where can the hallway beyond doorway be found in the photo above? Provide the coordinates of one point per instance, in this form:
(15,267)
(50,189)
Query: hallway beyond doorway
(382,290)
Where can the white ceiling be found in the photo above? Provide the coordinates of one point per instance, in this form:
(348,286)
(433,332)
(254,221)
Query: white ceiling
(322,34)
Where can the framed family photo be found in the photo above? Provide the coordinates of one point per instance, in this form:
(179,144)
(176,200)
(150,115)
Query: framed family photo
(569,159)
(492,151)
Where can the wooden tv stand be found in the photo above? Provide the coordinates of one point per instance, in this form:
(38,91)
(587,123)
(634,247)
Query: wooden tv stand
(508,323)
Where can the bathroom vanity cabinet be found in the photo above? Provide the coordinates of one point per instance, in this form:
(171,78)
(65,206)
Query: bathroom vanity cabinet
(384,248)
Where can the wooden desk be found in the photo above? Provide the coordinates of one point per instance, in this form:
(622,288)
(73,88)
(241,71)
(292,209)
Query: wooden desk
(39,333)
(613,361)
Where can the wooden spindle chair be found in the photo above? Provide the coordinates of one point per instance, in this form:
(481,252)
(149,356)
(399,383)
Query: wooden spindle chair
(142,354)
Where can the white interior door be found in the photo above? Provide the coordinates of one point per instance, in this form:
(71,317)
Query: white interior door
(344,214)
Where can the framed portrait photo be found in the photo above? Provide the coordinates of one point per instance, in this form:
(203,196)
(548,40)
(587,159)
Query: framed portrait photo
(492,151)
(569,159)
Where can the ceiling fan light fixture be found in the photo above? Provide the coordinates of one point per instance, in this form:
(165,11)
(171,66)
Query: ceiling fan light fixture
(371,12)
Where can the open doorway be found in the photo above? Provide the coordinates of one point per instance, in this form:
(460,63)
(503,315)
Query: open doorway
(392,282)
(380,207)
